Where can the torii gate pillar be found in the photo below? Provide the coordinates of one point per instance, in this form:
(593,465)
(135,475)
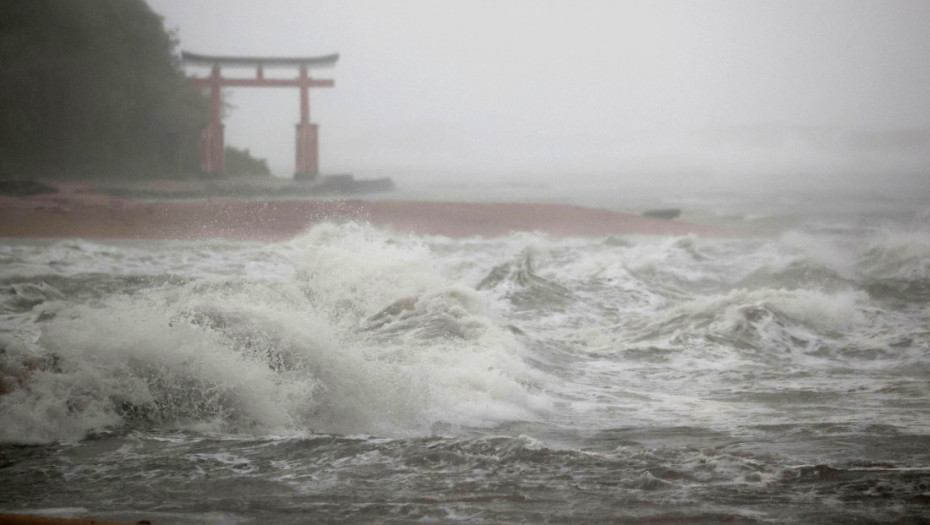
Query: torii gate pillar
(212,149)
(307,162)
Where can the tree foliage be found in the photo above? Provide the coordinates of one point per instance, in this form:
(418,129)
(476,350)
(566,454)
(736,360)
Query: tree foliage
(241,162)
(93,88)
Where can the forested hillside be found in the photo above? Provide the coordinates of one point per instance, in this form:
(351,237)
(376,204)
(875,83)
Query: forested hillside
(91,88)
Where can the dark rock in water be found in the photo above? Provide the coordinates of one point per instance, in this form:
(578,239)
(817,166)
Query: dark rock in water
(374,185)
(25,188)
(347,184)
(667,214)
(335,184)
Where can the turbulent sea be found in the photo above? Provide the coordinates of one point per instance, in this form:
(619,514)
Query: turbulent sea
(354,374)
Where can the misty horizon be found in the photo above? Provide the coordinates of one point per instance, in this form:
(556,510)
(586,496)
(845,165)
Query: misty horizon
(592,89)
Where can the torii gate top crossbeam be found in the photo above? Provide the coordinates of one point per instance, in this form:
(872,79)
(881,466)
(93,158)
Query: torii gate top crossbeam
(260,62)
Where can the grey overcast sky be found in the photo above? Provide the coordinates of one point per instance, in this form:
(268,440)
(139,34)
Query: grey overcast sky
(522,87)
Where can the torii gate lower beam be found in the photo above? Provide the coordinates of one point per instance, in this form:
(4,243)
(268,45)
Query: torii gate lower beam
(212,149)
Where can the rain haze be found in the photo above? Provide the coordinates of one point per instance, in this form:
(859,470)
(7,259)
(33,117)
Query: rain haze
(517,90)
(562,262)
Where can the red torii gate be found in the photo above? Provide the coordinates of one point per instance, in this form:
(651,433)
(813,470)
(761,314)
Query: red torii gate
(212,150)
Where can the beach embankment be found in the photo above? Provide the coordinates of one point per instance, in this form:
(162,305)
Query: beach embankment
(85,211)
(31,519)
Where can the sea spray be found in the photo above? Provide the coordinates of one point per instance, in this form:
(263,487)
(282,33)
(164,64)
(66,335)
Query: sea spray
(279,353)
(357,374)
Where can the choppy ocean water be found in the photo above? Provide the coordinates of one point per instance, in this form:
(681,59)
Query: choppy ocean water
(359,375)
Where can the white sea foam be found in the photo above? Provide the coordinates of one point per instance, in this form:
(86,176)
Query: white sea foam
(349,329)
(279,352)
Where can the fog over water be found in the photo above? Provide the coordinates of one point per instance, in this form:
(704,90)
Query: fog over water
(775,373)
(716,94)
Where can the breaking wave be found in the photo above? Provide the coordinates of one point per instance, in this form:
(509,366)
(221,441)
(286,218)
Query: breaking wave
(352,330)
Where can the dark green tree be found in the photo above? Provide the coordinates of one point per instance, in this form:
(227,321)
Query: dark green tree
(93,88)
(241,162)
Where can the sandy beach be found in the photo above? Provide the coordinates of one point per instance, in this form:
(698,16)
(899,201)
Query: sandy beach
(80,210)
(30,519)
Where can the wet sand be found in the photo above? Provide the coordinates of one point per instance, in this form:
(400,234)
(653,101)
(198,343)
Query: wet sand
(29,519)
(80,211)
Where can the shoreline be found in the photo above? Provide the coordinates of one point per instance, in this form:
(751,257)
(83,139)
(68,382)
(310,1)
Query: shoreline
(81,211)
(39,519)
